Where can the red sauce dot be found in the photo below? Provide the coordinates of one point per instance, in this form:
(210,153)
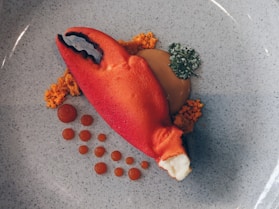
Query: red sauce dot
(129,160)
(116,155)
(144,164)
(118,171)
(100,168)
(66,113)
(99,151)
(102,137)
(83,149)
(134,173)
(68,133)
(85,135)
(86,120)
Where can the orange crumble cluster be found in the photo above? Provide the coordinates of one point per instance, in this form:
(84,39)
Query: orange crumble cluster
(56,94)
(188,115)
(139,42)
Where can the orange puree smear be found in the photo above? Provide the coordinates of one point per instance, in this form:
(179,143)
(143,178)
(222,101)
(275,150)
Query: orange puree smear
(176,90)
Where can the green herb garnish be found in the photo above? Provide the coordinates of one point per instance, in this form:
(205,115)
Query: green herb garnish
(183,61)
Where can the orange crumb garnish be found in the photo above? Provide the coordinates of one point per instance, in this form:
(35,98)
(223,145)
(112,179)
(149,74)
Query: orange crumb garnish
(56,94)
(146,41)
(188,115)
(139,42)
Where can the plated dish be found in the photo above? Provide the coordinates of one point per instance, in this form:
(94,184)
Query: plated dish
(234,146)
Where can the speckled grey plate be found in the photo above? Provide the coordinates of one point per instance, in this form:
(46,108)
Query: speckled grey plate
(234,147)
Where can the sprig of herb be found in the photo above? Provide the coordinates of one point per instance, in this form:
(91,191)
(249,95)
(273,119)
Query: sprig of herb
(183,61)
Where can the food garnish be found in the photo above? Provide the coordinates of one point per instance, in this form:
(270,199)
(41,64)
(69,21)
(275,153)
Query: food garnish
(56,94)
(184,61)
(139,42)
(67,113)
(118,171)
(83,149)
(68,133)
(116,155)
(85,135)
(86,120)
(100,168)
(102,137)
(99,151)
(129,160)
(134,174)
(144,164)
(188,115)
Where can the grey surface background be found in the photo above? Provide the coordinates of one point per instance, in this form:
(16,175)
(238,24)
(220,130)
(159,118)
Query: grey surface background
(234,148)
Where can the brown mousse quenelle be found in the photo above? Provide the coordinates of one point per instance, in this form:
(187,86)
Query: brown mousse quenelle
(177,90)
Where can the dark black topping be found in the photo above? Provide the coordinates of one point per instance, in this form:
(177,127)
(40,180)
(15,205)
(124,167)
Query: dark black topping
(84,53)
(85,37)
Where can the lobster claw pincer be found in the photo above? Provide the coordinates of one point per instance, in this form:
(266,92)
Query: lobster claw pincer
(97,44)
(125,92)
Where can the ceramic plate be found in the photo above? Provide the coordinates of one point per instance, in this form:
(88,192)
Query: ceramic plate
(234,147)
